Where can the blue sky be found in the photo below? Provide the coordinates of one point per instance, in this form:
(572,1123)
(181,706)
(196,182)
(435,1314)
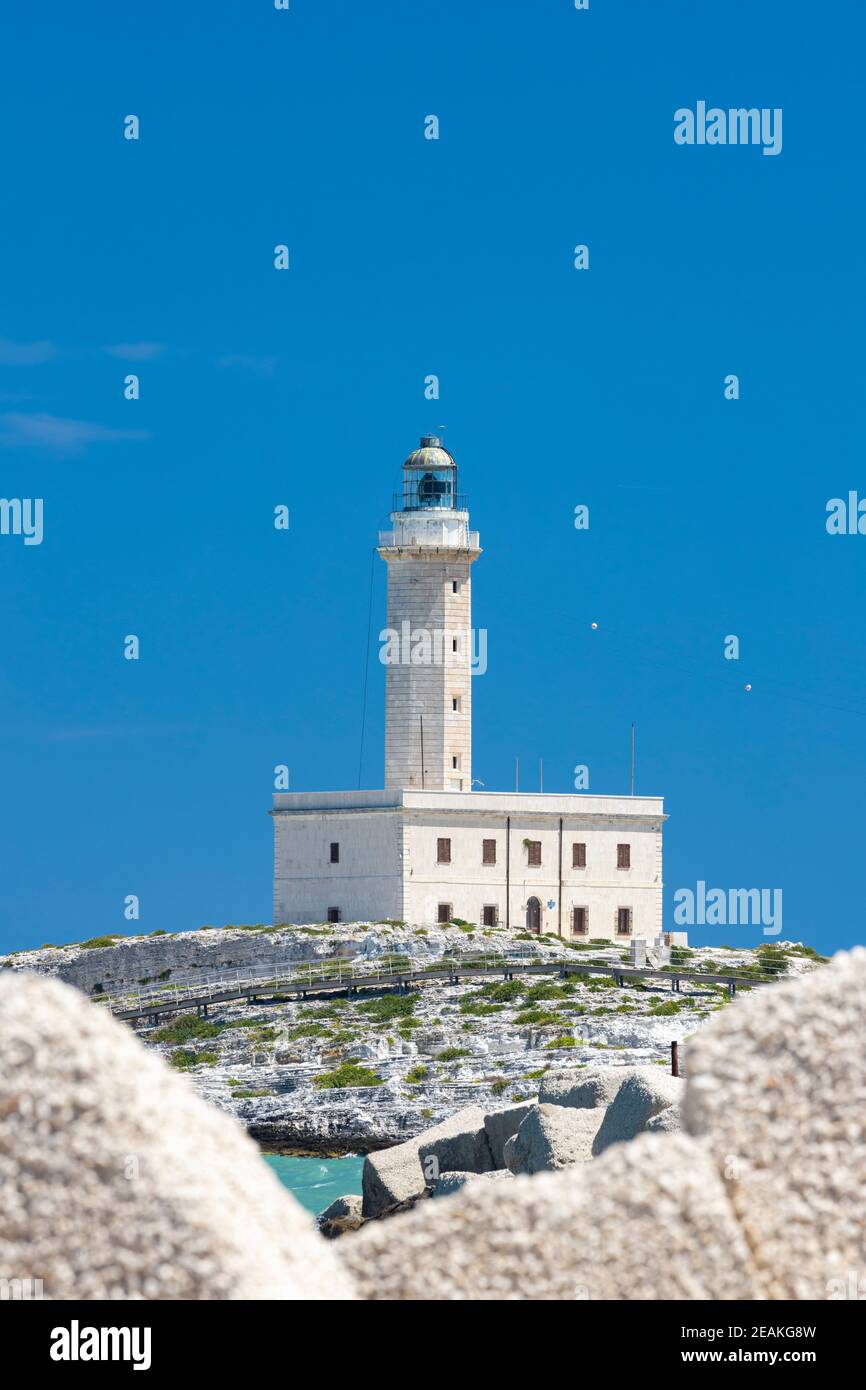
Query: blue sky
(558,387)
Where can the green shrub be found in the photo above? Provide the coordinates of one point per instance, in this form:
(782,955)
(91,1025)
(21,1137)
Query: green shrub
(556,1043)
(386,1007)
(185,1029)
(541,1017)
(666,1010)
(417,1074)
(471,1004)
(96,943)
(451,1054)
(502,991)
(184,1059)
(347,1074)
(243,1094)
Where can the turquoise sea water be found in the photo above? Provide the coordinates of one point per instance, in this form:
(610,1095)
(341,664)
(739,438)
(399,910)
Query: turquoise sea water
(316,1182)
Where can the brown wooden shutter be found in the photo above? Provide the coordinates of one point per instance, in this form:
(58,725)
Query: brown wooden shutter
(534,854)
(578,855)
(623,856)
(488,852)
(443,851)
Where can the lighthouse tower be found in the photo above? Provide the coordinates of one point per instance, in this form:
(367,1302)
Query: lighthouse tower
(428,652)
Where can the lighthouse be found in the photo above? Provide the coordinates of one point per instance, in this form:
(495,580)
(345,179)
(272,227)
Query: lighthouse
(428,643)
(428,846)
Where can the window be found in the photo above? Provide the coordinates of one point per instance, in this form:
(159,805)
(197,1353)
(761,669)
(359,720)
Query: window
(488,915)
(623,856)
(533,851)
(455,762)
(455,703)
(335,852)
(455,586)
(455,646)
(443,912)
(578,856)
(579,921)
(623,921)
(488,851)
(334,914)
(443,854)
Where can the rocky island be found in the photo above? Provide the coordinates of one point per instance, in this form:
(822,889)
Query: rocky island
(337,1073)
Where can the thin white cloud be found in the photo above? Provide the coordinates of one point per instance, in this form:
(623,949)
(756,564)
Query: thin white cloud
(18,429)
(135,352)
(249,362)
(25,354)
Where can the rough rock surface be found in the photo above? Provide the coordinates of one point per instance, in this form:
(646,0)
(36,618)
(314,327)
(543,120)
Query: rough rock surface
(391,1176)
(667,1121)
(455,1182)
(403,1173)
(342,1215)
(551,1137)
(584,1088)
(779,1089)
(648,1220)
(458,1145)
(117,1181)
(641,1096)
(502,1125)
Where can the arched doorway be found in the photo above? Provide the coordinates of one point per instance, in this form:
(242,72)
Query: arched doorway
(533,915)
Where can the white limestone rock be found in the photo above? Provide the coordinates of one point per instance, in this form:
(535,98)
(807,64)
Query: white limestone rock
(118,1182)
(457,1145)
(502,1125)
(343,1214)
(778,1086)
(584,1088)
(390,1177)
(667,1121)
(648,1220)
(641,1096)
(552,1137)
(449,1183)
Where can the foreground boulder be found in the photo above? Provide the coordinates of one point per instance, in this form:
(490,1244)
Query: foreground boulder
(552,1137)
(648,1220)
(502,1125)
(642,1095)
(777,1085)
(583,1088)
(117,1182)
(403,1173)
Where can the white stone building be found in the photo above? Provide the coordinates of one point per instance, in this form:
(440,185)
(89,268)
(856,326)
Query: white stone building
(429,847)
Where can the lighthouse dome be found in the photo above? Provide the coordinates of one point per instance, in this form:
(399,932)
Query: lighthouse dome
(430,454)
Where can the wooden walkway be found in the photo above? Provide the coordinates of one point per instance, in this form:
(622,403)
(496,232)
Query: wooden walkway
(301,979)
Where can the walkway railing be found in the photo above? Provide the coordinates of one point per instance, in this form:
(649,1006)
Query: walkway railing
(196,987)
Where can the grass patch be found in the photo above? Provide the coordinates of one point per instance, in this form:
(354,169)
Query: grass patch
(187,1028)
(347,1074)
(184,1059)
(417,1074)
(387,1007)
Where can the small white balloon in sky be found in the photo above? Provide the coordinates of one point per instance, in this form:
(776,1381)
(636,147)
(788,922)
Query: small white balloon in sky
(594,626)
